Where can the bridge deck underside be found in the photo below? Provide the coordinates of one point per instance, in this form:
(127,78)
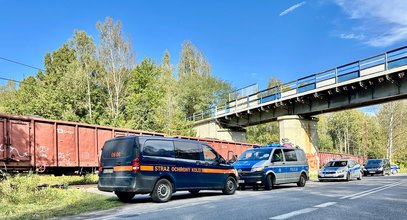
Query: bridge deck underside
(379,88)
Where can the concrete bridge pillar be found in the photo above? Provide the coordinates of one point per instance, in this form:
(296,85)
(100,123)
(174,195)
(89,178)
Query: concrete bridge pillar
(211,129)
(302,132)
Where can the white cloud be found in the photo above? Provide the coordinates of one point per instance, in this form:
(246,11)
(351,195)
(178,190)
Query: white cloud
(292,8)
(384,22)
(387,39)
(352,36)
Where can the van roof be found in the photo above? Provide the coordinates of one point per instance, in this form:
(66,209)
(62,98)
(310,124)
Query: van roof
(153,137)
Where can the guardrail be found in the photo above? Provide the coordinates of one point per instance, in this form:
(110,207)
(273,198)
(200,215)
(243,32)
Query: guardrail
(381,62)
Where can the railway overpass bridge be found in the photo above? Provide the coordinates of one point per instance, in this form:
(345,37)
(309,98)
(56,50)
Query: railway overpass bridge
(373,80)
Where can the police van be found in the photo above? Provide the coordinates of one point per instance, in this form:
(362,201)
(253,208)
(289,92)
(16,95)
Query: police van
(159,166)
(272,165)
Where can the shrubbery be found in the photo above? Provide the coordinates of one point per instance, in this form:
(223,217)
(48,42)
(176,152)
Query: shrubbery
(22,198)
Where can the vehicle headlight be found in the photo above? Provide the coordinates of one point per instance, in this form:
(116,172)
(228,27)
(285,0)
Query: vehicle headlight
(320,172)
(340,171)
(380,169)
(257,169)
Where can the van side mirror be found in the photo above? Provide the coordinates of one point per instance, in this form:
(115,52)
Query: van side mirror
(221,160)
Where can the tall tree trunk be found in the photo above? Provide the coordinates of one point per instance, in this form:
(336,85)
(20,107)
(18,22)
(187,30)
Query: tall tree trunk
(390,135)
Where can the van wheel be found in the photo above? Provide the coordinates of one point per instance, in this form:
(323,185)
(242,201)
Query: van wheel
(162,191)
(230,186)
(302,181)
(269,182)
(194,191)
(125,196)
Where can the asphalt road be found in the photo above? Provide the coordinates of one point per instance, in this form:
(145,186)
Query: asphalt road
(371,198)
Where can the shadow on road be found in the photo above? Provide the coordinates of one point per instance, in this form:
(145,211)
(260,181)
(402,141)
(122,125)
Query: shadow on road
(183,196)
(277,187)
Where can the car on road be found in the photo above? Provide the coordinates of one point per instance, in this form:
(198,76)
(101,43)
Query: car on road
(377,166)
(340,169)
(159,166)
(272,165)
(394,169)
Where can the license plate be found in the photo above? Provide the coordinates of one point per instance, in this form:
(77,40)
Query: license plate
(372,172)
(107,170)
(241,181)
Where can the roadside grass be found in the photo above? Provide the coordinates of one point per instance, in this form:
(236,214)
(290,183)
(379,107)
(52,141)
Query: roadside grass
(68,180)
(21,198)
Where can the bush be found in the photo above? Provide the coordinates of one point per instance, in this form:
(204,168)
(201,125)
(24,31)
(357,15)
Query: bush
(21,198)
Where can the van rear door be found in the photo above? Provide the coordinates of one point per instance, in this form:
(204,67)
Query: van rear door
(117,155)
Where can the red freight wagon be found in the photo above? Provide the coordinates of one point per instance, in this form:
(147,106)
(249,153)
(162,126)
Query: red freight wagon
(325,157)
(53,146)
(62,147)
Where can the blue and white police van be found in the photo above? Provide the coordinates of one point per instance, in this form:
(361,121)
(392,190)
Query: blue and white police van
(340,169)
(271,165)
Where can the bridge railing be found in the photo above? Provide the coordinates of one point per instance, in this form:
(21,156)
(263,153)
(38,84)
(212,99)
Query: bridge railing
(243,101)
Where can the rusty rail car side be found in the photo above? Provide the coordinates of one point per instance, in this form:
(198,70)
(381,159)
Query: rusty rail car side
(53,146)
(325,157)
(62,147)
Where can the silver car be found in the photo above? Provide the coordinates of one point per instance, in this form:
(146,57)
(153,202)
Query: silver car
(340,169)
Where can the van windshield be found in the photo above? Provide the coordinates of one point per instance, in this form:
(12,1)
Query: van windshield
(255,154)
(118,148)
(374,163)
(336,164)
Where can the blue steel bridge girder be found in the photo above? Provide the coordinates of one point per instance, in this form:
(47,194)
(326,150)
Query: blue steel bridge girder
(377,79)
(357,93)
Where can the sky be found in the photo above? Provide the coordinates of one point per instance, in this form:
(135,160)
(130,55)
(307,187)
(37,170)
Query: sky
(245,41)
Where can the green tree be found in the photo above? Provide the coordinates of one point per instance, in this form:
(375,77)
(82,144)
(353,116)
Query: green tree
(49,94)
(87,68)
(146,99)
(198,89)
(7,94)
(371,144)
(173,119)
(391,117)
(263,134)
(324,139)
(117,59)
(274,81)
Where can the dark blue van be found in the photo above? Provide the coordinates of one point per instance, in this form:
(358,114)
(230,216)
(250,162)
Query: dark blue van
(159,166)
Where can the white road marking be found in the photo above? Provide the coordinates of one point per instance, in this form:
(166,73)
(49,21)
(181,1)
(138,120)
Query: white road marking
(374,189)
(368,193)
(323,205)
(292,214)
(327,204)
(125,212)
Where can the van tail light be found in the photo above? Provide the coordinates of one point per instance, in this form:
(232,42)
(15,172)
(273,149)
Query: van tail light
(136,165)
(100,167)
